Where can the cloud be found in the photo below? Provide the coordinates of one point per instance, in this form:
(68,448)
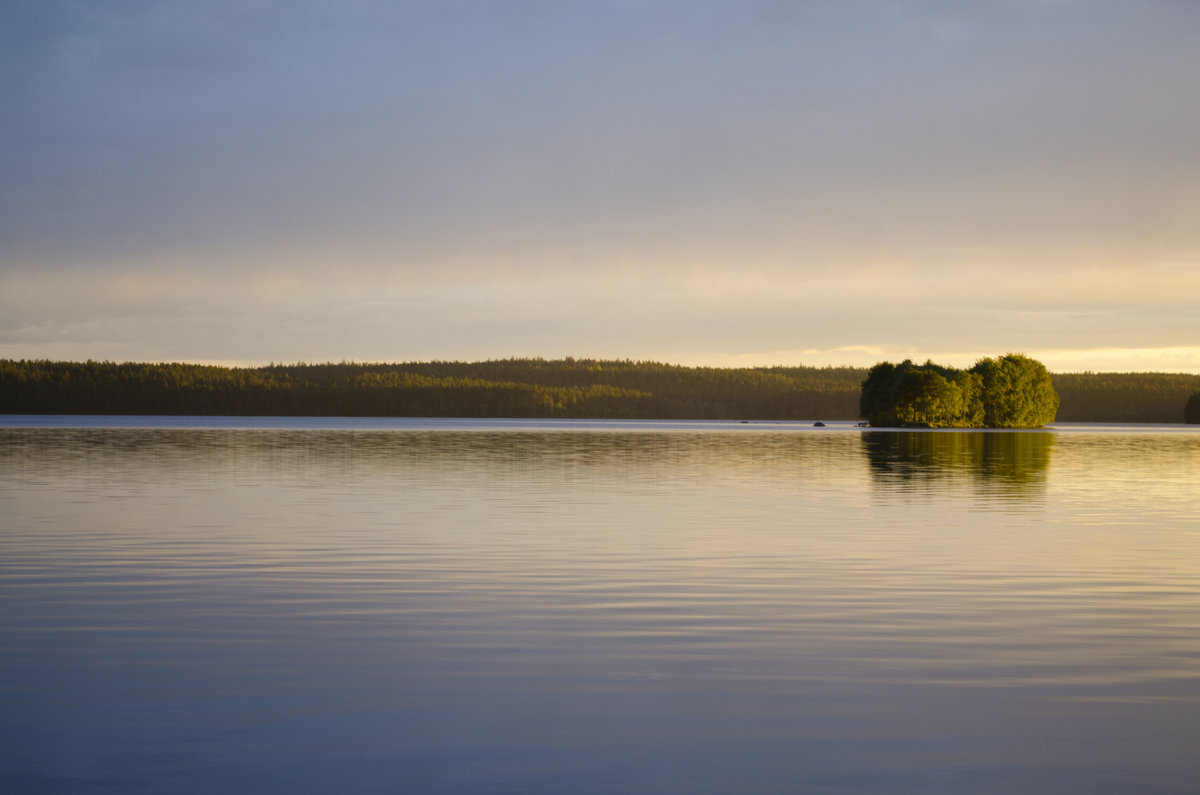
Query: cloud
(690,315)
(242,180)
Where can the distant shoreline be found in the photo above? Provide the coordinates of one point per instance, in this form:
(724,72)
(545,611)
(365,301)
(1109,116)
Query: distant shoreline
(521,388)
(18,423)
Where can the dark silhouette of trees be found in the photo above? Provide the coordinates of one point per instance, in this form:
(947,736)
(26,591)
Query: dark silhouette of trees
(508,388)
(1013,391)
(1191,412)
(1124,397)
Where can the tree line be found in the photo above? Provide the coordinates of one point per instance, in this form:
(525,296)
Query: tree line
(575,388)
(1125,397)
(521,388)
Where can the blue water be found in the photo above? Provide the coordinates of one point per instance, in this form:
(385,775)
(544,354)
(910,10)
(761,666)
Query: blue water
(313,605)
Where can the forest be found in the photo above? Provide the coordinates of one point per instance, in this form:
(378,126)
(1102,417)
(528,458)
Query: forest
(569,388)
(1124,397)
(576,388)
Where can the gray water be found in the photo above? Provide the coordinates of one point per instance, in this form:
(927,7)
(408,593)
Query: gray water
(262,605)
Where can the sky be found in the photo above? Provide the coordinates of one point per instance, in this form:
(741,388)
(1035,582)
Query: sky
(703,182)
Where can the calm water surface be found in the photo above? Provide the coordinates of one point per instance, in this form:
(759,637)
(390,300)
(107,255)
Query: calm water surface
(436,606)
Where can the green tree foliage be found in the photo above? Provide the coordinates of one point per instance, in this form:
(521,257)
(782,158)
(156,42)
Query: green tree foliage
(1013,391)
(1191,412)
(1017,392)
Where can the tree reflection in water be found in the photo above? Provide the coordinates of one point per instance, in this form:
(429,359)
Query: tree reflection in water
(1012,461)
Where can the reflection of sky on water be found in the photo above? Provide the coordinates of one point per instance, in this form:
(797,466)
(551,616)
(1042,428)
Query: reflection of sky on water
(652,611)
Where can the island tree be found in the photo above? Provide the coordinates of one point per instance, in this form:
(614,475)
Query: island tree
(1012,391)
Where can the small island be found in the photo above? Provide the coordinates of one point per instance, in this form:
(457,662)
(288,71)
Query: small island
(1012,391)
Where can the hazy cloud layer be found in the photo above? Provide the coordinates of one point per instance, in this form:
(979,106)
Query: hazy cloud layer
(731,182)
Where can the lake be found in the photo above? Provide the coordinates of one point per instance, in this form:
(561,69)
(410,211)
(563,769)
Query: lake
(196,605)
